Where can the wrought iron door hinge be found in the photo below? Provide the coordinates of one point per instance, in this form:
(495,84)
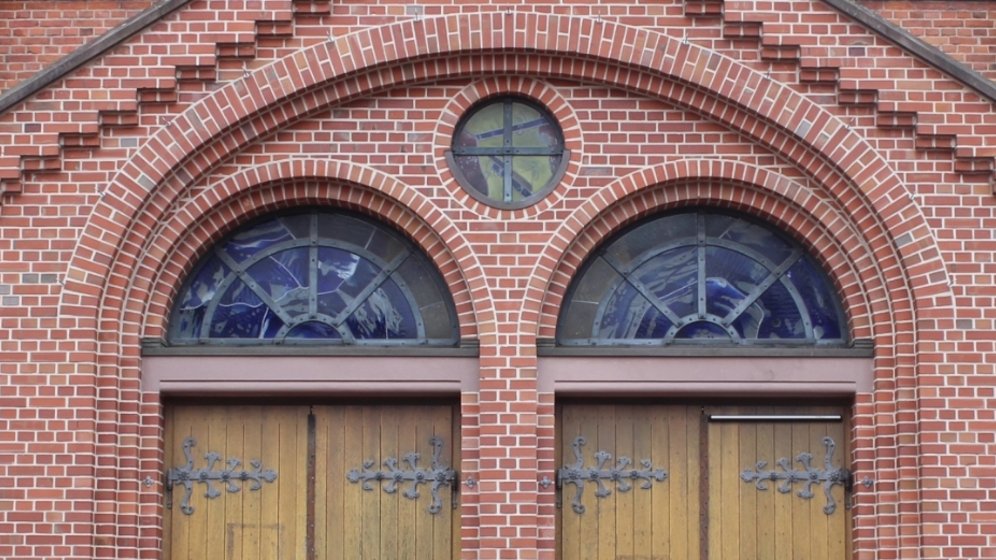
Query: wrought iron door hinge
(809,476)
(187,475)
(621,475)
(436,476)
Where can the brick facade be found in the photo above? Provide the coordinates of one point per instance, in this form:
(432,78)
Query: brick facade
(119,176)
(35,34)
(966,31)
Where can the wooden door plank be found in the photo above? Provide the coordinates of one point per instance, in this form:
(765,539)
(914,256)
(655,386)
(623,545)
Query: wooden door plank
(802,535)
(765,501)
(369,429)
(604,508)
(748,510)
(663,521)
(819,522)
(408,510)
(456,439)
(622,502)
(390,446)
(694,507)
(353,496)
(783,507)
(588,529)
(441,419)
(645,421)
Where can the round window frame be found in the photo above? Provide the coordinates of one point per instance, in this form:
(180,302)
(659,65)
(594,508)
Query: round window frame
(507,100)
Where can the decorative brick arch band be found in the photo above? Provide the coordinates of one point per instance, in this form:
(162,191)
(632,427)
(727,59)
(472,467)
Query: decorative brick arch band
(640,60)
(203,220)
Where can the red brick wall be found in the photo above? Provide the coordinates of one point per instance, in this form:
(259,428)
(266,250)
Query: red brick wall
(118,177)
(965,30)
(36,33)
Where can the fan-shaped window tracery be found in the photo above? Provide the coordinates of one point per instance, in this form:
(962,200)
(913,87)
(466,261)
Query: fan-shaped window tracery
(699,276)
(314,277)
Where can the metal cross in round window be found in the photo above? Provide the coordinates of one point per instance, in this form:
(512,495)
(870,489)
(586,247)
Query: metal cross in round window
(508,152)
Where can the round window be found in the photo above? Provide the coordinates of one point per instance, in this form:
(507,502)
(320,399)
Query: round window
(508,152)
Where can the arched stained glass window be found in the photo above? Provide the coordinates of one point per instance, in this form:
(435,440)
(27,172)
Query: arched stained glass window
(701,277)
(314,277)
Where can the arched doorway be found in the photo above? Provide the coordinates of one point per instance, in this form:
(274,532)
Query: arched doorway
(309,474)
(653,461)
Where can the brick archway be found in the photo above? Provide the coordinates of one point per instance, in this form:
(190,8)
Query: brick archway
(292,182)
(874,291)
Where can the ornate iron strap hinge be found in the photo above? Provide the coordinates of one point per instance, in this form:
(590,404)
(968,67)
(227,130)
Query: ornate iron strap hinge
(437,475)
(187,475)
(828,477)
(621,475)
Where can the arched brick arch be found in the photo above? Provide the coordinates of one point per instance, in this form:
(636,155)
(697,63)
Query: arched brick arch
(193,228)
(100,278)
(875,291)
(539,44)
(829,233)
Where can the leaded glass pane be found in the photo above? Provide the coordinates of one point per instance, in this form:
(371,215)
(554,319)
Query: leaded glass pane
(532,129)
(818,299)
(242,314)
(243,245)
(508,151)
(314,277)
(700,277)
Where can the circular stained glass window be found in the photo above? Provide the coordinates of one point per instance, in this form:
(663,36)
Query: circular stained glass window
(314,277)
(701,277)
(508,152)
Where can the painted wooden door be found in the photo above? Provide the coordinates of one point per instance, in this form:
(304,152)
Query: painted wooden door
(324,498)
(661,521)
(718,500)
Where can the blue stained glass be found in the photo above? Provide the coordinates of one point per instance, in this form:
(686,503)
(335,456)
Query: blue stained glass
(782,318)
(738,258)
(241,314)
(749,235)
(618,315)
(672,278)
(189,313)
(722,297)
(702,330)
(248,243)
(818,299)
(384,315)
(731,277)
(284,277)
(341,277)
(313,330)
(311,276)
